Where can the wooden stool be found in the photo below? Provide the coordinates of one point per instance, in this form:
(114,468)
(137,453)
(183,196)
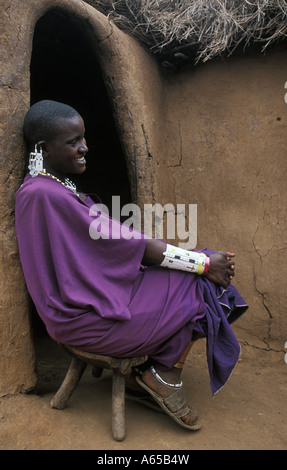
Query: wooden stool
(120,367)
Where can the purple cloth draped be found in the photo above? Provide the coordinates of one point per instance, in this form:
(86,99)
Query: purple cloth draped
(222,348)
(94,294)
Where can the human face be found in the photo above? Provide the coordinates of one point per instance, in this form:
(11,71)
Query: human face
(65,153)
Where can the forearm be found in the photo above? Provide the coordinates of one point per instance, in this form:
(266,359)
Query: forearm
(158,252)
(153,254)
(219,268)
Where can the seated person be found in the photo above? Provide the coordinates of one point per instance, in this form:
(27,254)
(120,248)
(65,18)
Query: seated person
(118,297)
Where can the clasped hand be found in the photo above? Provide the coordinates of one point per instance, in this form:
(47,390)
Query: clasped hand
(221,268)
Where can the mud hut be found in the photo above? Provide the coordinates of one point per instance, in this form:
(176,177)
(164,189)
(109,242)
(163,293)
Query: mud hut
(175,114)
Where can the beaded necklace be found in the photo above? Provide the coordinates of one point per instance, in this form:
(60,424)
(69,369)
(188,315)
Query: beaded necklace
(67,183)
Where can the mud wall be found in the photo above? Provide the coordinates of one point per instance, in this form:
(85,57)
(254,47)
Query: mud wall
(226,122)
(214,136)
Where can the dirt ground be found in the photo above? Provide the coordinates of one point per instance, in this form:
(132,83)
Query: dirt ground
(249,413)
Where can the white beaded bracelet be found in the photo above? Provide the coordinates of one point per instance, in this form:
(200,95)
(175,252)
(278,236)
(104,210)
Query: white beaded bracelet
(184,260)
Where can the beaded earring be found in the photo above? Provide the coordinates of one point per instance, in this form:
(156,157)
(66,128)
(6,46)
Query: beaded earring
(35,162)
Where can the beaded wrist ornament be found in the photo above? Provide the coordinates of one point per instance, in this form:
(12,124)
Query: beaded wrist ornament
(184,260)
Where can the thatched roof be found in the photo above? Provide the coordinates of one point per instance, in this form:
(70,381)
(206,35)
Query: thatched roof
(198,30)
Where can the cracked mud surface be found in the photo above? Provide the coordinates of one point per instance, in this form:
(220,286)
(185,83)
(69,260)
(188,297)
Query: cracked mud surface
(248,413)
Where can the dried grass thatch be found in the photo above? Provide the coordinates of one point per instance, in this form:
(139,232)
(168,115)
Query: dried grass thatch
(198,28)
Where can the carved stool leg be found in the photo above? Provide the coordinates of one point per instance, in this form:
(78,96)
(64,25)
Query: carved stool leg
(118,406)
(69,384)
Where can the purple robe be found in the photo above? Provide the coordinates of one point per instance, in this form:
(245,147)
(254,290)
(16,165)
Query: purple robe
(95,294)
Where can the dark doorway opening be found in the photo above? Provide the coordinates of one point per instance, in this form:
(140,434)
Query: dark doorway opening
(64,67)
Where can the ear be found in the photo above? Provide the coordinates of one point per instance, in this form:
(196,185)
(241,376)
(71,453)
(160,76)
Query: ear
(43,145)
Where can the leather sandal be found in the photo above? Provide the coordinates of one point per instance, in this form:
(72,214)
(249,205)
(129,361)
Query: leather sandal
(175,406)
(144,399)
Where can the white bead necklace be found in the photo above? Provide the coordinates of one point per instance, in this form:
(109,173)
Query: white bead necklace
(67,183)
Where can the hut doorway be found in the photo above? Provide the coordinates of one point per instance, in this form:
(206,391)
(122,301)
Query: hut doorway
(64,67)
